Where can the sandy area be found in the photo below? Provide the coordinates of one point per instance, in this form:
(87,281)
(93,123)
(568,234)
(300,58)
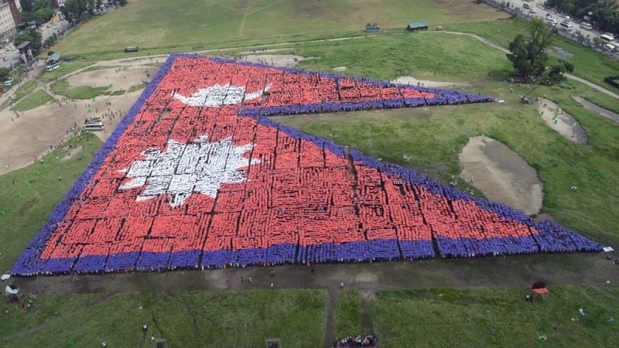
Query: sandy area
(427,83)
(32,134)
(284,60)
(71,153)
(119,78)
(501,174)
(565,124)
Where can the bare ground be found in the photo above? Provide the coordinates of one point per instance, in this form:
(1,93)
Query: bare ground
(283,60)
(427,83)
(562,122)
(501,174)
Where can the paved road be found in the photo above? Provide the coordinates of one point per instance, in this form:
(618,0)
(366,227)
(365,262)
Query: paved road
(541,12)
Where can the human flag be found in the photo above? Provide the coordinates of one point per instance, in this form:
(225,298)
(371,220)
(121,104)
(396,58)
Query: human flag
(197,175)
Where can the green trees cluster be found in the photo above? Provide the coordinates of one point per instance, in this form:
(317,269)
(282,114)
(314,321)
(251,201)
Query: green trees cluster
(76,10)
(605,13)
(33,35)
(37,11)
(529,58)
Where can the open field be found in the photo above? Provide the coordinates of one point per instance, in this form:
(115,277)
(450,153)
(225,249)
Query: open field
(491,311)
(170,24)
(188,319)
(497,317)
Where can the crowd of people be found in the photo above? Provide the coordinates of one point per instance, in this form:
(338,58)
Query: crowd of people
(395,213)
(367,341)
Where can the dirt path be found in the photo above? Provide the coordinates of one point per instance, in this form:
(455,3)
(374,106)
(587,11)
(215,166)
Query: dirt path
(599,110)
(366,316)
(410,80)
(482,272)
(329,320)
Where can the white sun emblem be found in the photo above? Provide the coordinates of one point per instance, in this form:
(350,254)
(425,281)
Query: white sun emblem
(187,168)
(218,95)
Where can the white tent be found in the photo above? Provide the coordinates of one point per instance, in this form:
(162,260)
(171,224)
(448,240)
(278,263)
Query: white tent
(10,290)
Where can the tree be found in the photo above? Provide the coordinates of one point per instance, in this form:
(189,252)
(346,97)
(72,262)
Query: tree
(45,14)
(27,5)
(32,35)
(556,73)
(4,73)
(528,52)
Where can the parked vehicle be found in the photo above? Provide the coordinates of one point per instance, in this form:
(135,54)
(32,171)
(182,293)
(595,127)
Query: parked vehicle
(566,25)
(587,26)
(9,82)
(606,38)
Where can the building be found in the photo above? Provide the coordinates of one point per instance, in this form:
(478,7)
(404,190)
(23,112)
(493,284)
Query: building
(417,26)
(8,29)
(15,7)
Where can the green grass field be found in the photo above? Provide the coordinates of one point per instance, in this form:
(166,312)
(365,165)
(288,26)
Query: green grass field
(63,87)
(192,319)
(34,100)
(428,317)
(186,23)
(24,90)
(481,317)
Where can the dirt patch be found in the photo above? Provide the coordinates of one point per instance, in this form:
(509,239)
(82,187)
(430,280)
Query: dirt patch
(501,174)
(366,277)
(409,80)
(558,52)
(604,112)
(562,122)
(37,130)
(119,78)
(71,153)
(283,60)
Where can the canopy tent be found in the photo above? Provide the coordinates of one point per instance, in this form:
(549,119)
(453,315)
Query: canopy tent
(53,59)
(11,290)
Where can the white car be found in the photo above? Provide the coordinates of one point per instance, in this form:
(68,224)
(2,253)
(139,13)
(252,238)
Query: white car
(9,82)
(532,11)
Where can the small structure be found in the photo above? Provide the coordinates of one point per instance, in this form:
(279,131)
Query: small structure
(131,49)
(372,28)
(273,343)
(53,61)
(24,51)
(414,26)
(366,341)
(538,289)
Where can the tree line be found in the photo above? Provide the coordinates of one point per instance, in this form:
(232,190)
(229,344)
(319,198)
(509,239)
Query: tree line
(604,13)
(37,12)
